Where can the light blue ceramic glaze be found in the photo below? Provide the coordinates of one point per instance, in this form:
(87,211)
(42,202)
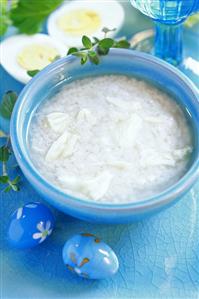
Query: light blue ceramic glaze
(30,225)
(119,61)
(87,256)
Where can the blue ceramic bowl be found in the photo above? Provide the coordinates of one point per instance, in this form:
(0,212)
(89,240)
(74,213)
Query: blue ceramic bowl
(120,61)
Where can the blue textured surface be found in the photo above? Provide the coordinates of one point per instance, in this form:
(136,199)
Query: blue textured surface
(159,257)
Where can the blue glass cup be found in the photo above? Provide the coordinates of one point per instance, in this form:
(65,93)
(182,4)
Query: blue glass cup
(169,16)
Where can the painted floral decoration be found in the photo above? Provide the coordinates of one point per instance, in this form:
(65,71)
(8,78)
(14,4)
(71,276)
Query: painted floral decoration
(44,231)
(85,255)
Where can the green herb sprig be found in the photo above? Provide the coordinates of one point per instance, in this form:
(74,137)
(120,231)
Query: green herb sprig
(7,104)
(6,109)
(92,50)
(32,73)
(4,17)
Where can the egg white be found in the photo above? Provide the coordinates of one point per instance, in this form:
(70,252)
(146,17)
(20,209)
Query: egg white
(111,13)
(12,46)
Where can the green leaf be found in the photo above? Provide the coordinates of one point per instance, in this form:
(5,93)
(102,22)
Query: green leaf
(122,44)
(8,103)
(4,17)
(8,188)
(14,187)
(4,179)
(4,23)
(84,60)
(4,154)
(93,50)
(33,73)
(102,51)
(82,55)
(3,5)
(29,15)
(13,3)
(104,46)
(107,30)
(96,40)
(93,57)
(72,50)
(86,42)
(79,54)
(92,53)
(16,180)
(106,43)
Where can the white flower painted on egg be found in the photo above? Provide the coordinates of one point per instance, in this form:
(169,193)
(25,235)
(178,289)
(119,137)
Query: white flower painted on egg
(44,231)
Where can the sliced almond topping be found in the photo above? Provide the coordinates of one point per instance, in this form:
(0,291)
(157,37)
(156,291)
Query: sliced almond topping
(94,187)
(63,146)
(128,130)
(155,158)
(121,165)
(86,115)
(69,149)
(124,105)
(58,121)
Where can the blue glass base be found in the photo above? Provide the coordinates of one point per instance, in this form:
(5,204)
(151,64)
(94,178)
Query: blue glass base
(144,41)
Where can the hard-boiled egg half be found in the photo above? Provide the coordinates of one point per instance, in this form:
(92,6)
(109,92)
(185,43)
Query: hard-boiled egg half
(76,18)
(22,53)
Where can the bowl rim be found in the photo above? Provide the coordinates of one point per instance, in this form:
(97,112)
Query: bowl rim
(161,198)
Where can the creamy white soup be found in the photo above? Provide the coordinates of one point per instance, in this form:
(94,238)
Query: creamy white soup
(111,139)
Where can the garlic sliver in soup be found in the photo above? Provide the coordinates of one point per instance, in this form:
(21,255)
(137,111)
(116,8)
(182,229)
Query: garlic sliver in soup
(156,158)
(120,165)
(86,115)
(92,187)
(58,121)
(127,131)
(63,146)
(123,104)
(68,151)
(169,158)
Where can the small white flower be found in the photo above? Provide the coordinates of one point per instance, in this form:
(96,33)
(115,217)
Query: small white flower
(19,213)
(44,231)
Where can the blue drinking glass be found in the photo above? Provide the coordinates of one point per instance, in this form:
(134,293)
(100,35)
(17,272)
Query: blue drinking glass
(169,16)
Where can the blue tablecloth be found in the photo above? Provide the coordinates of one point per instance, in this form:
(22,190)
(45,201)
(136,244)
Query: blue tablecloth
(159,257)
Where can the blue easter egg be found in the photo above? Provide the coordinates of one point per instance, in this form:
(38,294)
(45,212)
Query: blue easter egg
(89,257)
(30,225)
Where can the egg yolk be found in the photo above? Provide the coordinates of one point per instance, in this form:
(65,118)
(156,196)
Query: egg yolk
(36,56)
(79,22)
